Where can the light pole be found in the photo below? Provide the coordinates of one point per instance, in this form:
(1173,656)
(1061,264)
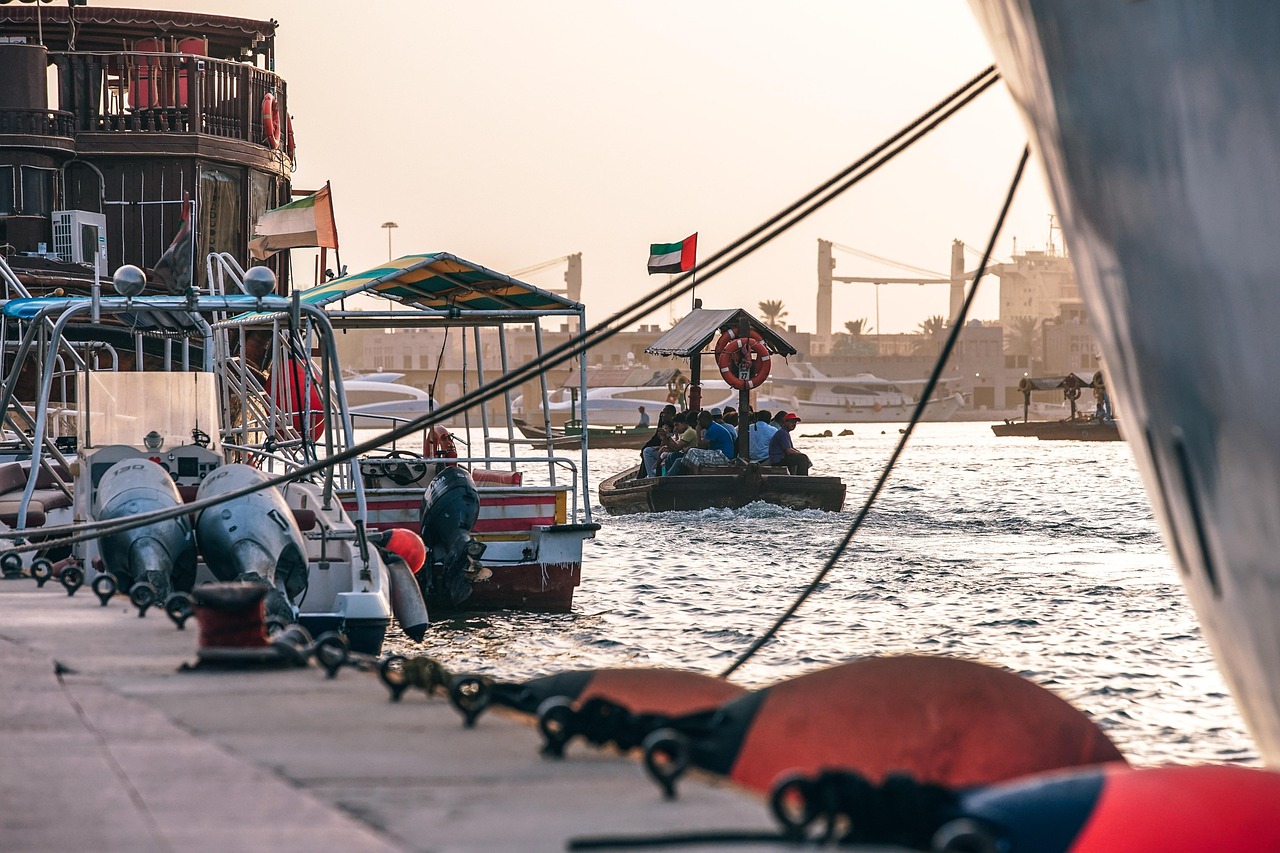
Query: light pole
(389,226)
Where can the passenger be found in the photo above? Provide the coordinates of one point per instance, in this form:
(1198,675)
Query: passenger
(761,432)
(683,437)
(655,445)
(777,419)
(644,419)
(731,417)
(718,417)
(715,447)
(783,452)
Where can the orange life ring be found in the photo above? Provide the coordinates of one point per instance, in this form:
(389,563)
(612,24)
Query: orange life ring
(440,443)
(271,120)
(730,357)
(731,334)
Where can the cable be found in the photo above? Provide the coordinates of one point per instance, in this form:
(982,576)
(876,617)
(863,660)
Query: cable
(720,261)
(916,414)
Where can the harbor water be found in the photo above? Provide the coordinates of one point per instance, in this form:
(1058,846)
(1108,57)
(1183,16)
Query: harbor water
(1040,557)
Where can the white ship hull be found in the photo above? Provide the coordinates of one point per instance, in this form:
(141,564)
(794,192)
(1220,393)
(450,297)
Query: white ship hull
(1158,127)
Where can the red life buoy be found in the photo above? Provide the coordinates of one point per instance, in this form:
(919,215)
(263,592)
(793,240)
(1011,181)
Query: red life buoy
(271,120)
(440,443)
(737,349)
(297,396)
(731,334)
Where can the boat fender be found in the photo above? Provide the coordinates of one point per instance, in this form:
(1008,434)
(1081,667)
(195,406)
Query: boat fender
(731,356)
(407,604)
(271,120)
(406,545)
(289,147)
(941,720)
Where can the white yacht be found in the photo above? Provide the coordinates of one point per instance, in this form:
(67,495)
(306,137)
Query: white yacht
(862,398)
(378,400)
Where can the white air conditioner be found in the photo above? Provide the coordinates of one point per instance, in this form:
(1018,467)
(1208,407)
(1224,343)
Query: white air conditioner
(79,235)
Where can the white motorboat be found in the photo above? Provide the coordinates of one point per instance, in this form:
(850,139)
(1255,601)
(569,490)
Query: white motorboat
(1156,125)
(379,400)
(618,405)
(862,398)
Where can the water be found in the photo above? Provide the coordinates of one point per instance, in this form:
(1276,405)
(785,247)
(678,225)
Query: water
(1042,557)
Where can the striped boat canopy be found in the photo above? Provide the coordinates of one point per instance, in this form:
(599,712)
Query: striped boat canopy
(440,281)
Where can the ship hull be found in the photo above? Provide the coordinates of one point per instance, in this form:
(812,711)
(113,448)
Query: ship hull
(1156,126)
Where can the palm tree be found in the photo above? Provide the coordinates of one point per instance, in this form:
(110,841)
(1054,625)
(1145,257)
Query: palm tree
(773,312)
(932,330)
(1024,337)
(857,328)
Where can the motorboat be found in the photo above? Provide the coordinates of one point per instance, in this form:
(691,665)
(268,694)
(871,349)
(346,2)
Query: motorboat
(619,405)
(1155,124)
(380,400)
(861,398)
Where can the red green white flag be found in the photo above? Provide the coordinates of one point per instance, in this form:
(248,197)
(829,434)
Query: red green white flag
(674,257)
(307,222)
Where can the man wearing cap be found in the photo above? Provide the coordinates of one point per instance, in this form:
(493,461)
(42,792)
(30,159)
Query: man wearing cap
(783,452)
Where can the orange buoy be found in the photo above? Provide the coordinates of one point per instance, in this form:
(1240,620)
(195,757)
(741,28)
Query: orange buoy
(408,546)
(941,720)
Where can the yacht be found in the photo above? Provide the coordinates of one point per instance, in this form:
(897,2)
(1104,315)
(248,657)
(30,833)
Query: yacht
(862,398)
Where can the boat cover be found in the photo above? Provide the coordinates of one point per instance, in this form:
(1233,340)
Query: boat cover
(440,281)
(695,330)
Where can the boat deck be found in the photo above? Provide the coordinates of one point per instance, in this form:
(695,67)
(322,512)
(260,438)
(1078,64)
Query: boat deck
(118,750)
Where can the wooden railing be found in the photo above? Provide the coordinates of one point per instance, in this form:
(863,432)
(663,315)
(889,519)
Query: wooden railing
(166,93)
(36,122)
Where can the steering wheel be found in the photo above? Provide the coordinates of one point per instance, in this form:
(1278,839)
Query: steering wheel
(407,472)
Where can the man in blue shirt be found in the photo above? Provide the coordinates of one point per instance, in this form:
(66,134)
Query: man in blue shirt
(761,432)
(783,452)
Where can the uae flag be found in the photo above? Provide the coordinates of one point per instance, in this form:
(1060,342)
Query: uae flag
(307,222)
(673,257)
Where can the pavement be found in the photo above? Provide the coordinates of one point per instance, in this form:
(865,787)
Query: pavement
(107,744)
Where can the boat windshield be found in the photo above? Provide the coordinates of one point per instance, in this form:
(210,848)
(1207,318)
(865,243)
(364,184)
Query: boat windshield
(123,408)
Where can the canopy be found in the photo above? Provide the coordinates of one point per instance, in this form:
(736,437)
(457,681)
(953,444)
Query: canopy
(440,281)
(695,330)
(1051,383)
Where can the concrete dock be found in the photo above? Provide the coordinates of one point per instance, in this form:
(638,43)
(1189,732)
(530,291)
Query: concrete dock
(106,745)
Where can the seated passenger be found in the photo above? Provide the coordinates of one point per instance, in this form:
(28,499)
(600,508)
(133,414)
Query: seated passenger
(657,443)
(683,437)
(783,452)
(715,446)
(761,432)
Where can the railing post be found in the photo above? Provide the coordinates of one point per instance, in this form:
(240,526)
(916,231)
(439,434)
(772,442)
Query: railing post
(195,92)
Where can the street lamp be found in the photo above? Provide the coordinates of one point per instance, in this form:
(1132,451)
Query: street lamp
(389,226)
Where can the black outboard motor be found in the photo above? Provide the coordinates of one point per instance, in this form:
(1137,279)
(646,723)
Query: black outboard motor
(450,506)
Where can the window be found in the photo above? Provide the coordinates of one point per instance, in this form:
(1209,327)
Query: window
(38,191)
(8,201)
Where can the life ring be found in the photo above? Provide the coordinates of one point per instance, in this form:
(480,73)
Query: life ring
(440,443)
(271,120)
(1071,392)
(732,354)
(731,334)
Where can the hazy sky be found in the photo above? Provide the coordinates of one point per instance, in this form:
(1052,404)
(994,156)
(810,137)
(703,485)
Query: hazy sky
(512,133)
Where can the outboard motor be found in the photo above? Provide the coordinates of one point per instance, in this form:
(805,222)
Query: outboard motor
(450,506)
(162,554)
(253,538)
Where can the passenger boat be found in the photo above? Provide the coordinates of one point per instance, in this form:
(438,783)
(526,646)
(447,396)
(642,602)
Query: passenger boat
(531,521)
(863,398)
(1098,425)
(618,405)
(743,365)
(1155,123)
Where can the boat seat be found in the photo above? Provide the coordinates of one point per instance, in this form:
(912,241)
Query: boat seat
(50,498)
(306,519)
(9,513)
(497,478)
(47,479)
(12,477)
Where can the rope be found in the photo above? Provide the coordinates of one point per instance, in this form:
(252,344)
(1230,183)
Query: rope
(916,414)
(720,261)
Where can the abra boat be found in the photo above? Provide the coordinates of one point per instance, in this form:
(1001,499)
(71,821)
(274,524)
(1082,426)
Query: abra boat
(572,435)
(863,398)
(1155,123)
(1100,425)
(743,352)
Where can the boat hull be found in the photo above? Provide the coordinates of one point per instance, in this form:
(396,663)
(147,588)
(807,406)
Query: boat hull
(623,494)
(610,438)
(1077,430)
(838,412)
(1156,126)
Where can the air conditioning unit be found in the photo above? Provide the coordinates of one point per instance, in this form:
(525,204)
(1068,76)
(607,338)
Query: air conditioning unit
(79,236)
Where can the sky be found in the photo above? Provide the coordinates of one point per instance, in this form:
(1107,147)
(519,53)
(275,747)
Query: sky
(512,133)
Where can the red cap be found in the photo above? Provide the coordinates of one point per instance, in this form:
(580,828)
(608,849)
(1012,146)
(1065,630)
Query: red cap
(791,416)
